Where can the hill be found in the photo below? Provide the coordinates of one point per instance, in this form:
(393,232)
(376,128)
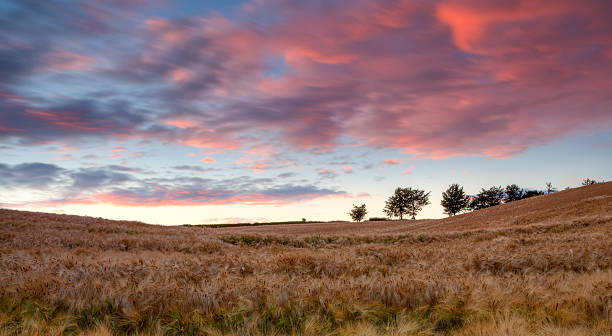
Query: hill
(540,266)
(591,202)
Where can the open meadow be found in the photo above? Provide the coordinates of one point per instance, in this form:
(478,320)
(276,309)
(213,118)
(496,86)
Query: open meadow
(539,266)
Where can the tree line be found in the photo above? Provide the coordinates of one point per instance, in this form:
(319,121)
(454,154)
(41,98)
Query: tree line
(409,201)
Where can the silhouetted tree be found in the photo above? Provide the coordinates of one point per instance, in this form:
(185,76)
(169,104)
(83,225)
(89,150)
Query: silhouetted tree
(487,198)
(514,193)
(531,193)
(550,188)
(406,201)
(358,212)
(588,181)
(454,200)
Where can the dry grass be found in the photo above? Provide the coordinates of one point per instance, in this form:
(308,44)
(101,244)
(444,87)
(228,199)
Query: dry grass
(540,266)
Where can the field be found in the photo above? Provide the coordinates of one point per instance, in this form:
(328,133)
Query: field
(539,266)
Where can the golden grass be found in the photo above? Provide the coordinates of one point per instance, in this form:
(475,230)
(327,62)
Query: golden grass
(540,266)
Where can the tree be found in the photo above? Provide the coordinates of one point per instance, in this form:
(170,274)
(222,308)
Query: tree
(406,201)
(550,188)
(487,198)
(514,193)
(531,193)
(588,181)
(358,212)
(454,200)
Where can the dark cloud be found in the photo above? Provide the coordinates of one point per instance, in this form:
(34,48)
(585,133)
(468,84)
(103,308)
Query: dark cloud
(73,119)
(29,175)
(89,178)
(123,186)
(287,175)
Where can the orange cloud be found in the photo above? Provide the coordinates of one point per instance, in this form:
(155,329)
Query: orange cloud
(180,123)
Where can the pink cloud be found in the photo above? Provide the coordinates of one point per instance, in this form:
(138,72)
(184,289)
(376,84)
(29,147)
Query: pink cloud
(63,60)
(392,162)
(408,170)
(242,161)
(65,119)
(208,160)
(119,149)
(347,169)
(258,167)
(181,75)
(475,77)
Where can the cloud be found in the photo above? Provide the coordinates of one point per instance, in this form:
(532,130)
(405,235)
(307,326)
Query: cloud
(198,194)
(392,162)
(195,168)
(29,175)
(73,119)
(408,170)
(120,185)
(433,78)
(326,173)
(91,178)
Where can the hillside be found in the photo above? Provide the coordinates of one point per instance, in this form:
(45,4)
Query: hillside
(540,266)
(586,202)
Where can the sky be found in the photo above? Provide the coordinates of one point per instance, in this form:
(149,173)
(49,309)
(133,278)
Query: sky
(176,112)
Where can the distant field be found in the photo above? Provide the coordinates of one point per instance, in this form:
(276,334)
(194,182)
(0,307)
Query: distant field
(539,266)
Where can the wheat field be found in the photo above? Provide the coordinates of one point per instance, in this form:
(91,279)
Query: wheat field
(539,266)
